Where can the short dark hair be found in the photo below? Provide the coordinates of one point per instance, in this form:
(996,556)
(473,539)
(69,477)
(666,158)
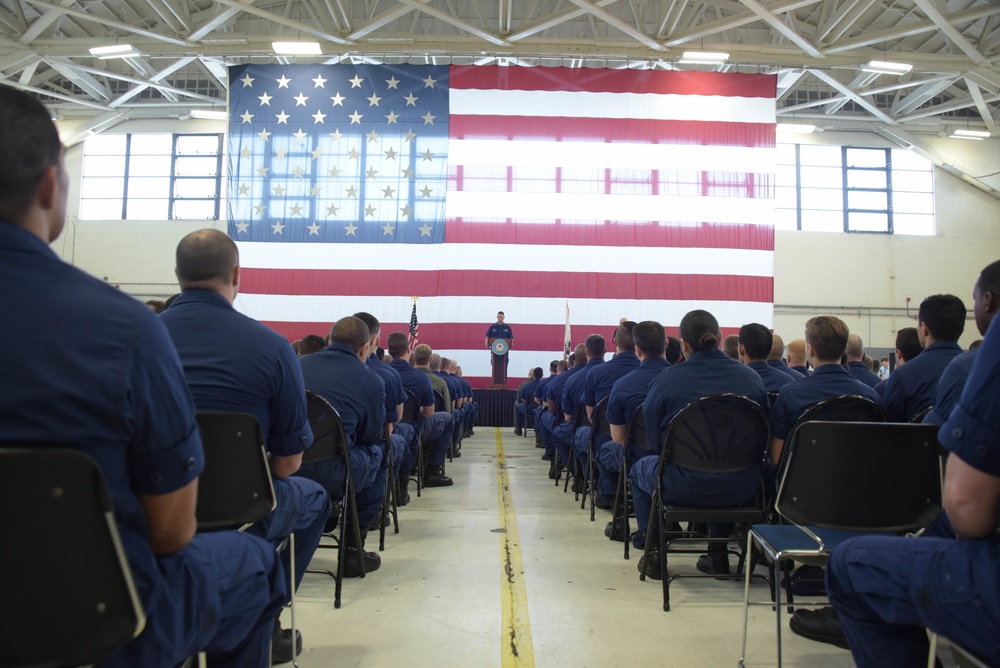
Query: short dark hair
(205,256)
(756,340)
(397,344)
(731,346)
(700,329)
(29,145)
(650,337)
(311,344)
(989,279)
(944,316)
(596,346)
(827,334)
(674,351)
(349,331)
(553,366)
(537,373)
(501,313)
(625,336)
(380,352)
(371,321)
(908,342)
(156,305)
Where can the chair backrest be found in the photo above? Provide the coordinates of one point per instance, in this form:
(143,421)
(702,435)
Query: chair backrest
(580,418)
(720,433)
(439,403)
(70,596)
(862,476)
(636,429)
(235,489)
(411,410)
(598,418)
(919,417)
(771,397)
(329,440)
(846,408)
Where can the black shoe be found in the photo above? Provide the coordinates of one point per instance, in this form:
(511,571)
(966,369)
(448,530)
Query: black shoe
(517,431)
(472,432)
(554,471)
(435,477)
(579,485)
(281,644)
(821,625)
(615,530)
(547,457)
(807,581)
(456,453)
(388,521)
(713,565)
(601,502)
(652,566)
(402,496)
(372,562)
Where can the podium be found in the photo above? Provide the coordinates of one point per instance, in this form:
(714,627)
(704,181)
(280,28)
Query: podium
(498,354)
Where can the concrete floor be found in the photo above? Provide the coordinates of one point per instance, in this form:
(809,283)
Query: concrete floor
(443,596)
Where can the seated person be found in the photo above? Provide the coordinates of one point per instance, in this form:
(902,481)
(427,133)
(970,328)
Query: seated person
(470,407)
(627,395)
(797,357)
(124,402)
(731,347)
(555,367)
(856,365)
(777,358)
(434,427)
(910,389)
(450,391)
(524,390)
(907,348)
(572,399)
(755,345)
(706,371)
(310,344)
(552,416)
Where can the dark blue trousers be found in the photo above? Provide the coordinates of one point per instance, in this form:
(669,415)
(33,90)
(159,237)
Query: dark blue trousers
(437,430)
(369,467)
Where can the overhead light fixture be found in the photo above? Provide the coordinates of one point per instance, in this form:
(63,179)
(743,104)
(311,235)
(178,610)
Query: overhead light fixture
(114,51)
(297,48)
(883,67)
(210,114)
(976,135)
(703,58)
(795,128)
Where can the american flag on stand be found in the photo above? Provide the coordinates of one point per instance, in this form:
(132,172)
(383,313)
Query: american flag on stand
(648,193)
(414,328)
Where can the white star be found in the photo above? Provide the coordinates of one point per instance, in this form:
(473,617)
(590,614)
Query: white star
(356,118)
(300,100)
(425,231)
(262,171)
(319,81)
(333,172)
(338,99)
(370,211)
(264,135)
(283,81)
(316,153)
(335,135)
(428,156)
(260,208)
(313,229)
(352,191)
(244,189)
(388,229)
(282,118)
(406,211)
(300,135)
(314,191)
(408,173)
(425,192)
(318,117)
(356,81)
(393,82)
(391,118)
(298,172)
(371,172)
(428,119)
(265,99)
(245,151)
(372,136)
(390,154)
(247,116)
(279,190)
(373,100)
(410,135)
(352,229)
(387,192)
(247,81)
(296,209)
(243,225)
(411,101)
(353,153)
(332,210)
(278,228)
(280,153)
(429,82)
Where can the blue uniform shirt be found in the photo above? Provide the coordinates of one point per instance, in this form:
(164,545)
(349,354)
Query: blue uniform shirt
(498,331)
(542,384)
(861,371)
(706,372)
(554,389)
(772,376)
(415,381)
(527,387)
(630,391)
(90,367)
(801,370)
(572,392)
(394,394)
(972,431)
(600,380)
(950,387)
(234,363)
(785,369)
(910,388)
(336,374)
(453,388)
(825,382)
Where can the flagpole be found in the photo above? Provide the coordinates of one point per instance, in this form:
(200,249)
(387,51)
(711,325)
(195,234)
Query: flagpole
(567,338)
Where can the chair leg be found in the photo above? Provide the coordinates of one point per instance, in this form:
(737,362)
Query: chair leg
(664,576)
(570,470)
(588,476)
(291,589)
(557,464)
(746,603)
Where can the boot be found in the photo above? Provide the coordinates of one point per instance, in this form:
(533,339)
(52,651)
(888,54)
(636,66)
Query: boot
(372,560)
(434,477)
(517,431)
(281,644)
(403,497)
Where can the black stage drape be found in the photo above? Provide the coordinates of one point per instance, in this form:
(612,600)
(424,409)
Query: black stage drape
(496,407)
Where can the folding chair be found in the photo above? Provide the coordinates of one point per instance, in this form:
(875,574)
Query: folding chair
(846,479)
(330,442)
(439,407)
(391,491)
(635,435)
(529,413)
(598,425)
(411,415)
(574,466)
(919,417)
(66,606)
(721,433)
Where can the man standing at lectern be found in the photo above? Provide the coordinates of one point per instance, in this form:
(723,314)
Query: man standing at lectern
(499,330)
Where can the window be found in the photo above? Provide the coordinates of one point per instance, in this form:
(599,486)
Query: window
(152,177)
(852,189)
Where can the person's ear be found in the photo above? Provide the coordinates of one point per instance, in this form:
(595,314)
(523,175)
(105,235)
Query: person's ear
(991,302)
(47,191)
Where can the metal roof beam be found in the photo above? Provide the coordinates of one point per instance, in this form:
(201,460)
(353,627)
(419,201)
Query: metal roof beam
(247,7)
(921,95)
(461,25)
(984,111)
(736,21)
(915,28)
(950,31)
(789,33)
(618,23)
(210,25)
(553,20)
(860,101)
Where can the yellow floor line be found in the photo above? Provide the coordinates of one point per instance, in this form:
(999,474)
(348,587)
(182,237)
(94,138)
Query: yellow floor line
(516,650)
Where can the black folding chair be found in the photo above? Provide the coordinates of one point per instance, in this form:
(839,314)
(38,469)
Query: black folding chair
(411,415)
(529,413)
(598,425)
(574,467)
(721,433)
(635,435)
(330,442)
(70,596)
(439,407)
(846,479)
(391,492)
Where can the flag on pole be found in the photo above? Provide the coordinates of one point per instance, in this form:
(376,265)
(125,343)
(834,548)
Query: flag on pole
(567,337)
(414,327)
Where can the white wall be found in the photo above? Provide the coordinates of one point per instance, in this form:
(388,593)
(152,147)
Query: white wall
(863,278)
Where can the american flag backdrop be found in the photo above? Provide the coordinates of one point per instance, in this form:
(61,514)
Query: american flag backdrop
(631,193)
(414,338)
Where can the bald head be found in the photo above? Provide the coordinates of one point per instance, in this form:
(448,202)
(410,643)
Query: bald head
(855,348)
(207,259)
(797,352)
(777,348)
(435,362)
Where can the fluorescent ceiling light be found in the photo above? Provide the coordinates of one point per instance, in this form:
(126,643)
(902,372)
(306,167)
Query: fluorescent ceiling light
(208,113)
(883,67)
(977,135)
(703,58)
(114,51)
(297,48)
(796,128)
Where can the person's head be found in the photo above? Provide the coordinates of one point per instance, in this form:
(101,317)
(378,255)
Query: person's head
(435,362)
(351,332)
(580,352)
(554,367)
(295,345)
(986,296)
(33,179)
(310,344)
(826,339)
(595,347)
(650,339)
(446,365)
(755,342)
(870,363)
(855,348)
(398,345)
(731,346)
(796,351)
(699,330)
(907,345)
(625,337)
(777,348)
(500,317)
(561,366)
(975,344)
(536,373)
(941,318)
(380,353)
(675,350)
(884,361)
(373,329)
(155,305)
(208,260)
(422,355)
